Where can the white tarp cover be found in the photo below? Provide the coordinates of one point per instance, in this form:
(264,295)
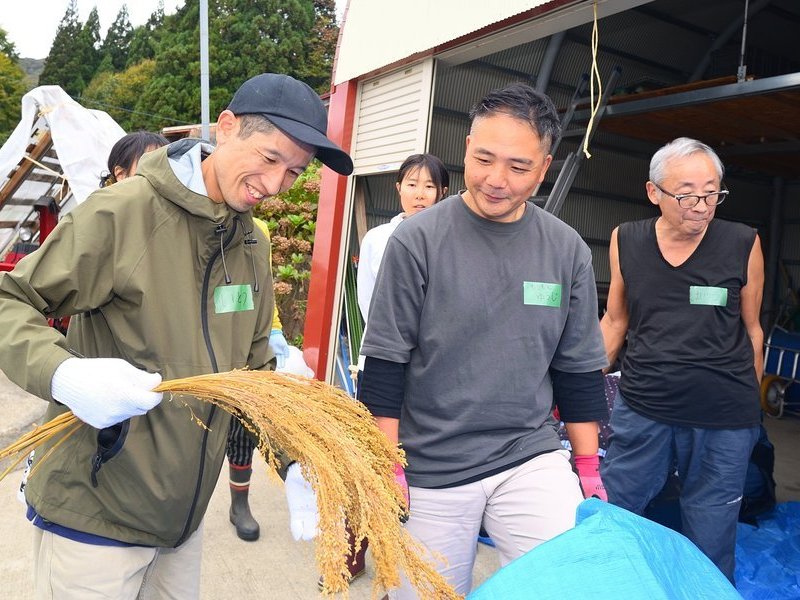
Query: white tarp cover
(82,138)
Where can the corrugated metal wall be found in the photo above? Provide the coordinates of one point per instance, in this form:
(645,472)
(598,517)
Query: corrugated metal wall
(382,201)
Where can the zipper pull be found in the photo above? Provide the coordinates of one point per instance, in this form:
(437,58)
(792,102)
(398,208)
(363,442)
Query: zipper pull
(97,462)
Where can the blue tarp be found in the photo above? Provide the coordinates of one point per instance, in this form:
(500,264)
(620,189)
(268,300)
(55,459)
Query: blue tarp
(611,554)
(768,556)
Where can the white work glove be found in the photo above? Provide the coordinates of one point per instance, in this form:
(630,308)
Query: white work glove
(296,364)
(302,501)
(104,391)
(279,346)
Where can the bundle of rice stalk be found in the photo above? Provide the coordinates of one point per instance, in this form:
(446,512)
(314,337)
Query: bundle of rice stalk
(63,425)
(343,455)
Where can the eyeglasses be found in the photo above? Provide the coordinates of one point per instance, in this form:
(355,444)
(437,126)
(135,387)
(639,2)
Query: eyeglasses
(692,200)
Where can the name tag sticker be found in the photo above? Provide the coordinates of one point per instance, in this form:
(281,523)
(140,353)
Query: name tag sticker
(708,295)
(233,298)
(537,293)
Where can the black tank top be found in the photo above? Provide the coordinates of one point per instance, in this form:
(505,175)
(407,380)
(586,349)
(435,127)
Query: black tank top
(689,360)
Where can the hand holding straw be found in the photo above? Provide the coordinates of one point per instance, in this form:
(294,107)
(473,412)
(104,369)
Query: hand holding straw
(343,455)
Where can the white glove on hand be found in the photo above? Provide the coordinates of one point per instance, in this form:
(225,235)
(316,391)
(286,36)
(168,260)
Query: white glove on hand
(296,364)
(104,391)
(302,501)
(279,346)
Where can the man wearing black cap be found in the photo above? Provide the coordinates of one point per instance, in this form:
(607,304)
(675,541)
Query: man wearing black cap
(162,270)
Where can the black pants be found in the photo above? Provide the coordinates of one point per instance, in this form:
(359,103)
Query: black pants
(241,444)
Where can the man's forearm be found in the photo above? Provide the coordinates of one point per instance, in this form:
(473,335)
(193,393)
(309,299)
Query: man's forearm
(390,428)
(583,437)
(613,338)
(757,340)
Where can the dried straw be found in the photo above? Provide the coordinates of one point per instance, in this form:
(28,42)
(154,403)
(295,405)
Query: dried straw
(344,456)
(65,423)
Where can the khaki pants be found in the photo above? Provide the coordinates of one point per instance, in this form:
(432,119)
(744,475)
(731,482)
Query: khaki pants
(65,570)
(520,508)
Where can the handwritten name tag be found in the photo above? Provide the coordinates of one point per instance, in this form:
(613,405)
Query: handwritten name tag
(233,298)
(537,293)
(708,295)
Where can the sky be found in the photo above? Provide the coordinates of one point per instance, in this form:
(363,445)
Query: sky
(32,24)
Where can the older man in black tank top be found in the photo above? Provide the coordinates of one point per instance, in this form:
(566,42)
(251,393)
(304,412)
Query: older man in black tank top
(686,292)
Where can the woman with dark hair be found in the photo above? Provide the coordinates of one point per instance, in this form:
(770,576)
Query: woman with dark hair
(421,182)
(125,154)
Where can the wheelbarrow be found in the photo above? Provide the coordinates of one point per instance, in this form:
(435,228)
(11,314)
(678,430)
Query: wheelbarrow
(780,386)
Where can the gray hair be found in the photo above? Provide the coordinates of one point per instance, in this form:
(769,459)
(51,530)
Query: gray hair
(681,148)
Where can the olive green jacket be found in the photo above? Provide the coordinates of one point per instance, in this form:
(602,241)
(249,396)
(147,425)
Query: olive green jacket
(141,266)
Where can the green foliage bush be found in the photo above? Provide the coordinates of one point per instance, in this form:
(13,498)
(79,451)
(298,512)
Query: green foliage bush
(291,217)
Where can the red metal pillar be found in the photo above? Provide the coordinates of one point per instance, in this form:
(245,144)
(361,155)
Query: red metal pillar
(328,235)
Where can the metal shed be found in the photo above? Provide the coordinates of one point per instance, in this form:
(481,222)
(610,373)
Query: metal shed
(724,71)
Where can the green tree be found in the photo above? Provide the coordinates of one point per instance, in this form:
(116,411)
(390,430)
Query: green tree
(7,47)
(291,217)
(118,95)
(249,38)
(117,42)
(321,47)
(87,45)
(106,66)
(246,37)
(12,88)
(174,91)
(145,38)
(63,65)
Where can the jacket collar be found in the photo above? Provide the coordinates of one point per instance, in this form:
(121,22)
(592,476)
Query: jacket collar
(156,168)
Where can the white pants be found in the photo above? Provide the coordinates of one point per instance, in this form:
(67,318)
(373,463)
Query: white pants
(68,570)
(520,508)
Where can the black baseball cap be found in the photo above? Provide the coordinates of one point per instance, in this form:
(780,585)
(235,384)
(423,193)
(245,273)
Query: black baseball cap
(295,109)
